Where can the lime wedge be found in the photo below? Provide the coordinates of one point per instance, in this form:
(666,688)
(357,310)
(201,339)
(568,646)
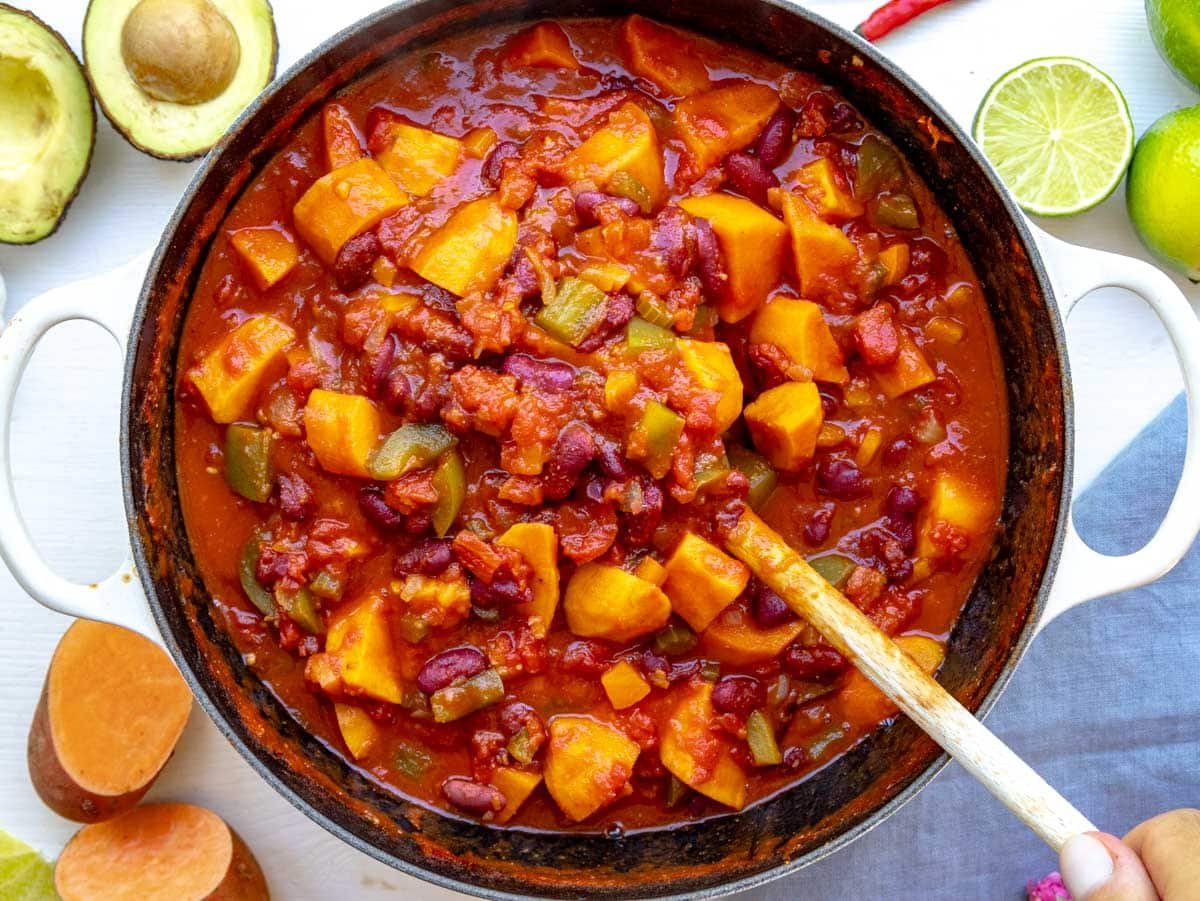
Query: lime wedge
(1059,133)
(24,874)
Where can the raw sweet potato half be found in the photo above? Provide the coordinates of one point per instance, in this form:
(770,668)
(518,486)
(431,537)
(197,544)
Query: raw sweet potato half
(112,708)
(159,852)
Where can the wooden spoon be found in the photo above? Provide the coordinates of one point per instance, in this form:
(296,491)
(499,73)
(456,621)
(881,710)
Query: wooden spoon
(915,692)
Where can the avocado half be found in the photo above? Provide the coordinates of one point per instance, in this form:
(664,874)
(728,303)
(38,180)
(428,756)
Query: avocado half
(172,75)
(48,127)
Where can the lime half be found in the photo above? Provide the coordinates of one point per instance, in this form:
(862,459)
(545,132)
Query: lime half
(24,874)
(1059,133)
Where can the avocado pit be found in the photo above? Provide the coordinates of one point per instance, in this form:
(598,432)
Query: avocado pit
(180,51)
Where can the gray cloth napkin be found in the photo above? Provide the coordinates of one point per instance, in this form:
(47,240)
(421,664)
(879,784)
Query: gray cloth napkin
(1106,706)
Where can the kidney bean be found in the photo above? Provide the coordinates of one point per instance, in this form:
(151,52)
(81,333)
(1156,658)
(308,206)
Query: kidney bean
(670,238)
(769,609)
(816,662)
(795,757)
(296,498)
(588,203)
(586,657)
(896,450)
(492,166)
(844,119)
(573,450)
(449,666)
(641,522)
(901,501)
(611,458)
(740,695)
(352,268)
(502,591)
(431,557)
(376,509)
(553,376)
(473,797)
(816,530)
(381,364)
(842,479)
(618,310)
(708,258)
(747,175)
(518,715)
(775,141)
(905,534)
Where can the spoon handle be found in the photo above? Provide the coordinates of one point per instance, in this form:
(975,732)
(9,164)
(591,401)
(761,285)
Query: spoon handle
(930,706)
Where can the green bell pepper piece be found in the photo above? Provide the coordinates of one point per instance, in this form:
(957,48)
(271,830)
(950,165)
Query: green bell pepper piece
(412,761)
(760,736)
(248,461)
(676,791)
(450,480)
(654,309)
(412,628)
(761,474)
(704,321)
(878,168)
(574,312)
(520,747)
(833,568)
(456,701)
(326,585)
(248,575)
(302,608)
(410,447)
(896,210)
(641,335)
(709,467)
(675,639)
(623,184)
(658,433)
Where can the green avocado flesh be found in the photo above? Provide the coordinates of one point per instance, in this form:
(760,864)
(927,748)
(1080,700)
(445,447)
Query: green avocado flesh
(172,75)
(48,127)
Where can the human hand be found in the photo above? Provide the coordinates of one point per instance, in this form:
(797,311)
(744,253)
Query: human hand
(1158,859)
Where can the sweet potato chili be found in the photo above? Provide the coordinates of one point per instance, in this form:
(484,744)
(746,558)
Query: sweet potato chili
(480,367)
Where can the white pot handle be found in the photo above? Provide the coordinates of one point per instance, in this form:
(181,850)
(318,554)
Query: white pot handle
(1084,574)
(108,301)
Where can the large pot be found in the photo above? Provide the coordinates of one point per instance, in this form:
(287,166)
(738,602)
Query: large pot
(1040,566)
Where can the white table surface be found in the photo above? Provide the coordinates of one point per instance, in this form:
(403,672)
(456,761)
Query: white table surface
(64,447)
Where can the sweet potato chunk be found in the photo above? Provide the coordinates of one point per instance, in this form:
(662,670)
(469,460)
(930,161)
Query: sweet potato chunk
(702,580)
(831,199)
(359,731)
(957,513)
(343,204)
(605,601)
(538,544)
(230,374)
(545,45)
(416,158)
(862,702)
(112,708)
(909,372)
(651,570)
(627,143)
(718,122)
(158,852)
(624,685)
(784,422)
(664,56)
(359,657)
(470,251)
(516,786)
(754,245)
(798,328)
(823,255)
(268,252)
(894,260)
(588,764)
(695,754)
(735,638)
(343,431)
(343,144)
(711,367)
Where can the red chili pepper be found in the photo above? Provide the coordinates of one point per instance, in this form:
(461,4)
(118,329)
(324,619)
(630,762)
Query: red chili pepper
(892,15)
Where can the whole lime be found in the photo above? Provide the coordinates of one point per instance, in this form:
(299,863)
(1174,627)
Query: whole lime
(1163,191)
(1175,27)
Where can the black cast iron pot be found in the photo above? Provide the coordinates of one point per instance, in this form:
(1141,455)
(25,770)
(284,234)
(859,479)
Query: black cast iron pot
(727,853)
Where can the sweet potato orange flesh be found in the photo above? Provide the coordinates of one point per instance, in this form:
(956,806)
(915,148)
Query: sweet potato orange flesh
(159,852)
(112,708)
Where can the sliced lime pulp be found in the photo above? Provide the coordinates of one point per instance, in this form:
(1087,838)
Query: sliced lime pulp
(24,874)
(1058,131)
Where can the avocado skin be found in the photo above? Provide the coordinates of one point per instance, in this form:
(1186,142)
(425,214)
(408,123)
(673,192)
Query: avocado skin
(121,130)
(87,163)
